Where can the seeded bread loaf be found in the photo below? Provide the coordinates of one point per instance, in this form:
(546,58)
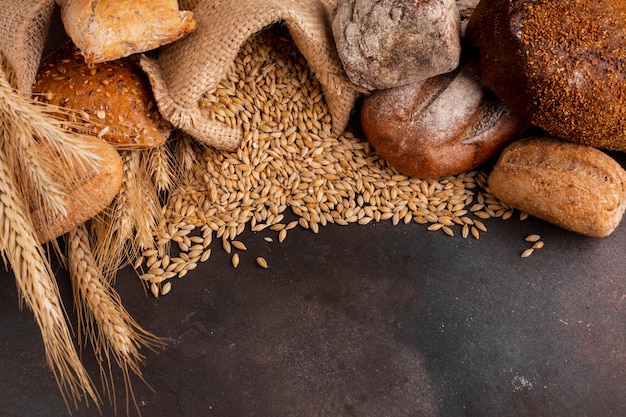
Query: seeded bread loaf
(558,63)
(576,187)
(105,30)
(114,96)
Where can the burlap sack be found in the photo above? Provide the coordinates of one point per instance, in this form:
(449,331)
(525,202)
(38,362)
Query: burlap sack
(24,27)
(187,69)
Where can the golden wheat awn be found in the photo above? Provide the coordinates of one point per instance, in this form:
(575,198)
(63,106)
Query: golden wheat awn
(35,282)
(113,333)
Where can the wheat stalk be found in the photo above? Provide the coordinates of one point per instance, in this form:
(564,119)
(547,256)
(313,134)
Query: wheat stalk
(40,144)
(184,151)
(113,228)
(160,167)
(102,318)
(123,231)
(146,208)
(37,287)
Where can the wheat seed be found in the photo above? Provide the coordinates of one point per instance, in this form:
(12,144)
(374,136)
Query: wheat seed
(154,289)
(532,238)
(291,160)
(261,262)
(167,287)
(239,245)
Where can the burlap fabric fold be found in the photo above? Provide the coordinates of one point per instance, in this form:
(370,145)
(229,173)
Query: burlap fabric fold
(24,27)
(185,70)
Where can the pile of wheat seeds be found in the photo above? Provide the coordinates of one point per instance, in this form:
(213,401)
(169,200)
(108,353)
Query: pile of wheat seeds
(290,159)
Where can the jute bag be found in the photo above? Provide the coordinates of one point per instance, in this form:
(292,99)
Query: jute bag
(24,28)
(185,70)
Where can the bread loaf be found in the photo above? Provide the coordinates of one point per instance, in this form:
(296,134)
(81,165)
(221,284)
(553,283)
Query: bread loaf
(90,189)
(114,96)
(386,44)
(106,30)
(466,8)
(559,63)
(444,126)
(576,187)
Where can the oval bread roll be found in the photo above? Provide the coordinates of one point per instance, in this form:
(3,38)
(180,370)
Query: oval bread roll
(106,30)
(576,187)
(444,126)
(90,189)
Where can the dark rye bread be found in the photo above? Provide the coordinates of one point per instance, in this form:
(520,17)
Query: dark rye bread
(576,187)
(559,63)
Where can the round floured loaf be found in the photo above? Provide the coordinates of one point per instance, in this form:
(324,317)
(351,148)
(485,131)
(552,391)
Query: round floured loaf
(394,43)
(115,97)
(444,126)
(576,187)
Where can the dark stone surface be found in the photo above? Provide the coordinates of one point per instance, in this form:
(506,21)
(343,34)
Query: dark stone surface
(377,320)
(370,320)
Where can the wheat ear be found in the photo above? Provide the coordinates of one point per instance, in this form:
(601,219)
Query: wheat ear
(127,227)
(38,288)
(41,144)
(184,151)
(147,210)
(113,333)
(113,228)
(161,168)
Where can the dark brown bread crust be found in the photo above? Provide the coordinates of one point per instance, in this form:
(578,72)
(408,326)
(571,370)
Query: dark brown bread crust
(447,125)
(559,63)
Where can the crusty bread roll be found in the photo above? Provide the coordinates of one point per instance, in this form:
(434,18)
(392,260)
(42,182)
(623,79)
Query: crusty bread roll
(90,189)
(576,187)
(444,126)
(105,30)
(115,96)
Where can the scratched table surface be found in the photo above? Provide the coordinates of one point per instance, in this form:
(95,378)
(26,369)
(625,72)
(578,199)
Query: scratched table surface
(375,320)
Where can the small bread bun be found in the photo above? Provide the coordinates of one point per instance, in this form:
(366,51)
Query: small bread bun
(576,187)
(106,30)
(115,97)
(90,189)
